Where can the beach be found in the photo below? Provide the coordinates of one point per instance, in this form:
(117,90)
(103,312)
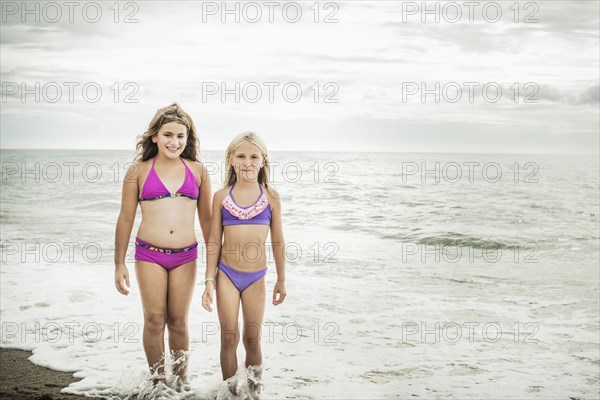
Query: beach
(399,285)
(435,171)
(21,379)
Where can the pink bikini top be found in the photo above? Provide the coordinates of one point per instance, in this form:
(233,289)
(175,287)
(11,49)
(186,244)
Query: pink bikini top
(258,213)
(154,189)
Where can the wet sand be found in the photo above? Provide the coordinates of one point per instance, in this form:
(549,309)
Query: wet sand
(21,379)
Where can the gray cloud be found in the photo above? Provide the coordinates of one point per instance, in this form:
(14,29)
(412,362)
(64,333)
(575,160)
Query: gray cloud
(591,95)
(369,53)
(567,20)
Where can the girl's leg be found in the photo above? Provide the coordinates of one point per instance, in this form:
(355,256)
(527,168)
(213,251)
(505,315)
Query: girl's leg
(152,280)
(253,310)
(179,297)
(228,308)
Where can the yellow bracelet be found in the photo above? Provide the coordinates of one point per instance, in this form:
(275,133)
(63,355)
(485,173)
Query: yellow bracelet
(209,280)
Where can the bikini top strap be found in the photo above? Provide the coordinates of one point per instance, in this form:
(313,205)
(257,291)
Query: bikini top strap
(154,161)
(259,186)
(184,164)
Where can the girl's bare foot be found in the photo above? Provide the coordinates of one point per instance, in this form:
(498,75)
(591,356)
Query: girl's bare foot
(232,384)
(182,384)
(255,380)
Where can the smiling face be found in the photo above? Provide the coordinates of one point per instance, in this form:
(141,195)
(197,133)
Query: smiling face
(247,160)
(171,139)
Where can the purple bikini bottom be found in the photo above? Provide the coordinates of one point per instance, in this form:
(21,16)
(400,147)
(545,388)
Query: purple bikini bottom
(241,279)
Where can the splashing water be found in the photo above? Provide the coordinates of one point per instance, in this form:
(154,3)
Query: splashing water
(245,384)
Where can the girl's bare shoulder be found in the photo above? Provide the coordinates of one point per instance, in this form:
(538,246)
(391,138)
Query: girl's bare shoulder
(272,195)
(138,168)
(198,168)
(221,194)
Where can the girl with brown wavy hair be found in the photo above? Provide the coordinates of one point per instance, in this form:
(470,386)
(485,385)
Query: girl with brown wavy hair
(169,183)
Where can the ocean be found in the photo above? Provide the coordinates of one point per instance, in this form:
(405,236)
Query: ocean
(409,275)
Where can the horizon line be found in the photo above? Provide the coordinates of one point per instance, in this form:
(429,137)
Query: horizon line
(325,151)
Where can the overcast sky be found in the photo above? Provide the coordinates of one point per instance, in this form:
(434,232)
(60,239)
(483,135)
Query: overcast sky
(374,61)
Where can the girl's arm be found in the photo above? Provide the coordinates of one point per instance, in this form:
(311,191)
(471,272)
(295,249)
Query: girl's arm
(129,202)
(204,205)
(278,245)
(213,250)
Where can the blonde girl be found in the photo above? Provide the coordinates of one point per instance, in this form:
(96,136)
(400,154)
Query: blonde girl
(244,211)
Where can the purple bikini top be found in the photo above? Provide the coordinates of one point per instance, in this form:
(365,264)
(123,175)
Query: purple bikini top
(154,189)
(258,213)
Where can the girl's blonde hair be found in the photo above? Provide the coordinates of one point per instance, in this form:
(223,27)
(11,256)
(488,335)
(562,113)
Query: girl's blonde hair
(263,174)
(146,149)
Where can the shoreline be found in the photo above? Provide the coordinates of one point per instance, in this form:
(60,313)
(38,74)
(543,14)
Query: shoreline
(22,379)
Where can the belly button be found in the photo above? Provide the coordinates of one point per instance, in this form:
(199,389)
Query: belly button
(171,232)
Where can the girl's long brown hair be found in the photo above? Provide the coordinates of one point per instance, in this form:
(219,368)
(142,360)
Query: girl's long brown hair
(146,149)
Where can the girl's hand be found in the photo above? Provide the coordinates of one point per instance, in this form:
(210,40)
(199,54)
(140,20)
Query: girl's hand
(207,296)
(121,274)
(278,289)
